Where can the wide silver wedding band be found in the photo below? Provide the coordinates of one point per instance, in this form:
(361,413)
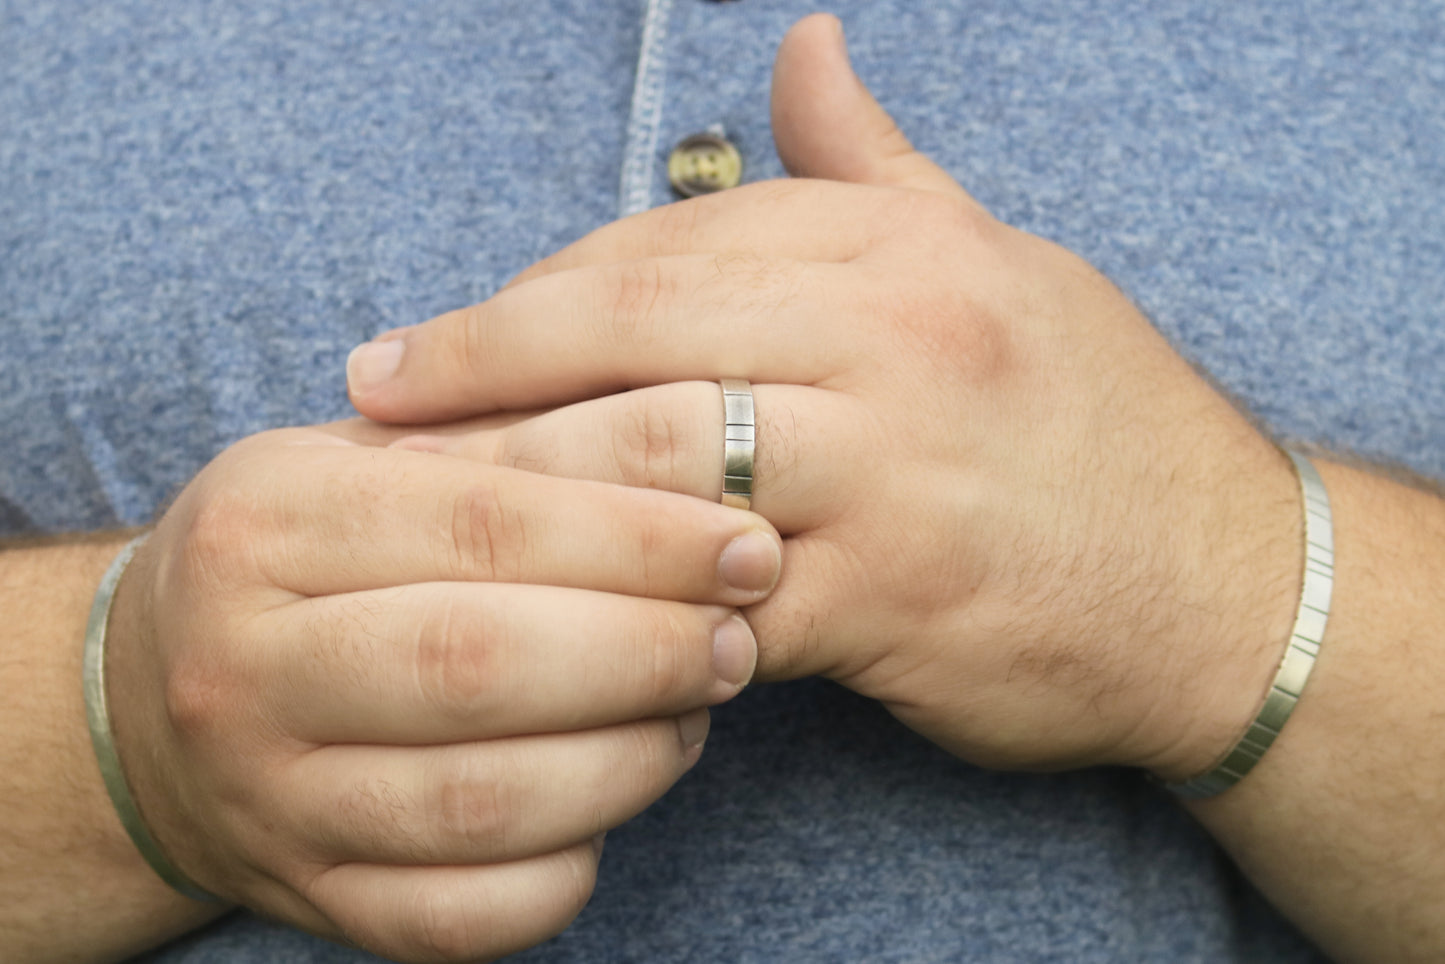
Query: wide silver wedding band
(738,442)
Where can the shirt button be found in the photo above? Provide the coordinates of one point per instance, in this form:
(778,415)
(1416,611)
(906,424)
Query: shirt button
(704,163)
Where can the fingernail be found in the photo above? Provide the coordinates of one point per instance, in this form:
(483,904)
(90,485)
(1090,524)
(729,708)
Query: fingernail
(734,651)
(693,727)
(371,364)
(751,563)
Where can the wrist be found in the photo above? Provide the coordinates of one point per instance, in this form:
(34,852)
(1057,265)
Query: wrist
(75,888)
(1234,620)
(1298,661)
(97,703)
(1344,803)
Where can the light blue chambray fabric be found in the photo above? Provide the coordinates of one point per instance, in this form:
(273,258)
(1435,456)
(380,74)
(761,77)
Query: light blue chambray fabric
(204,205)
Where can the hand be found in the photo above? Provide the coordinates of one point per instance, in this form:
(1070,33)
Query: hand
(395,699)
(1014,514)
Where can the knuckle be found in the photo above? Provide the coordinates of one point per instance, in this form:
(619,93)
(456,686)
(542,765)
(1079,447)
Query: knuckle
(671,658)
(750,270)
(227,522)
(529,450)
(199,695)
(219,533)
(470,339)
(488,541)
(456,663)
(441,927)
(637,292)
(675,226)
(952,333)
(472,810)
(654,543)
(650,445)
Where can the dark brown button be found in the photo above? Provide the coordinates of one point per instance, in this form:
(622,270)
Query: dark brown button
(704,163)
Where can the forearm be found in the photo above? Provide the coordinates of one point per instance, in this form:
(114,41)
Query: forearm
(72,887)
(1342,823)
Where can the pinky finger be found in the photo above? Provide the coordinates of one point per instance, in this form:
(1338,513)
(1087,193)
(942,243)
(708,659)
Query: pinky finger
(441,915)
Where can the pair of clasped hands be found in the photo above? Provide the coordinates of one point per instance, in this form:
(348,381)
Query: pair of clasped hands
(391,680)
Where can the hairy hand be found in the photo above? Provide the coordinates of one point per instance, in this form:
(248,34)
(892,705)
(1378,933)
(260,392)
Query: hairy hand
(1013,512)
(396,698)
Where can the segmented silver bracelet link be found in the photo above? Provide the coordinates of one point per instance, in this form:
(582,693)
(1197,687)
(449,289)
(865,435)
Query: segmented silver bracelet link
(738,443)
(1304,644)
(97,714)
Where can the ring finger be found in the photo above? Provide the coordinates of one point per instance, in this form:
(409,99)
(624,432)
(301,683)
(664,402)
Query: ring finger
(671,437)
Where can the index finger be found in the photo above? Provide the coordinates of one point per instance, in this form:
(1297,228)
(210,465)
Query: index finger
(687,290)
(327,519)
(594,330)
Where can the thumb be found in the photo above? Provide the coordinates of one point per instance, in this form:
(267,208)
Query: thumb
(827,125)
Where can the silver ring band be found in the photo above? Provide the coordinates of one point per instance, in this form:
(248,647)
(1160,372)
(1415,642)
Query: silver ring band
(738,442)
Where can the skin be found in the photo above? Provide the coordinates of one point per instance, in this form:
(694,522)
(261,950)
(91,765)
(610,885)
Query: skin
(1012,512)
(976,583)
(390,699)
(72,888)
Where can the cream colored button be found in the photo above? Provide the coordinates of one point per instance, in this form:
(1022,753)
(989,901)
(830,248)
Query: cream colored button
(704,163)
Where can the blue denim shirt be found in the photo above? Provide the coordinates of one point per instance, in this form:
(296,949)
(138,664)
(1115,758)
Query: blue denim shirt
(205,205)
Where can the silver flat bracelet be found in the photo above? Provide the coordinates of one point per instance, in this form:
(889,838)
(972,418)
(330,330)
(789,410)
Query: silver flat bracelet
(97,714)
(1304,643)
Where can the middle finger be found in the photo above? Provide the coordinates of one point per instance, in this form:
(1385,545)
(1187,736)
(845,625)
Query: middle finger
(455,662)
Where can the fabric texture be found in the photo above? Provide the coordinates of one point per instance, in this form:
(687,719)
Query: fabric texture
(206,205)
